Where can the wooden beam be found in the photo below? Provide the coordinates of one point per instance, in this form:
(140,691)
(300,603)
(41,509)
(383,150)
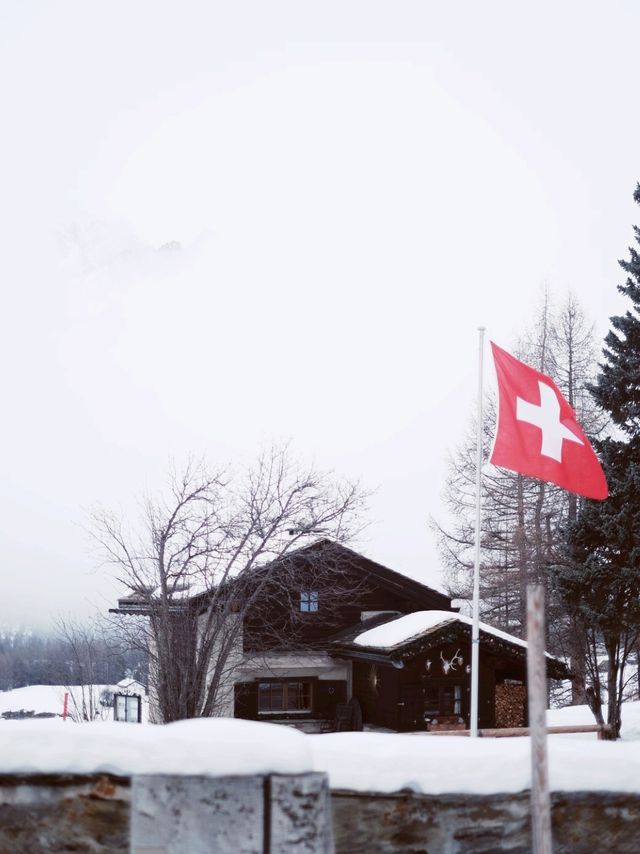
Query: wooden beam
(514,732)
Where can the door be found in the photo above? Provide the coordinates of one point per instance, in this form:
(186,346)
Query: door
(411,708)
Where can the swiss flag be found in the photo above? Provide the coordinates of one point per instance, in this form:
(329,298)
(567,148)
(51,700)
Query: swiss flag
(537,432)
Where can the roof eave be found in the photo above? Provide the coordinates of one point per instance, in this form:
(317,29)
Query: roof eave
(556,669)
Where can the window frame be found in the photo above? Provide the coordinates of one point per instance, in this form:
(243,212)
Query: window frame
(127,702)
(309,602)
(284,684)
(457,697)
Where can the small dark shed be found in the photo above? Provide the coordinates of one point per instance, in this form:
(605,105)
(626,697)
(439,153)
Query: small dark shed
(413,672)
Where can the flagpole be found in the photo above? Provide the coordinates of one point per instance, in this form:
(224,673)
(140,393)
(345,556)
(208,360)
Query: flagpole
(475,632)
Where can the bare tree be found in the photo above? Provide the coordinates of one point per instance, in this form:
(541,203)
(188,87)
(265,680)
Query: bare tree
(511,503)
(85,649)
(210,555)
(524,519)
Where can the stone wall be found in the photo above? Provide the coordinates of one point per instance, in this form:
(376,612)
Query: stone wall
(56,814)
(101,814)
(474,824)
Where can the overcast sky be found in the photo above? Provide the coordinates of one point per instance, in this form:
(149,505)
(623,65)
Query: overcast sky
(355,186)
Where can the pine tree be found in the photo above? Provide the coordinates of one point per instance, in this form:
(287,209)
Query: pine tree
(600,581)
(618,386)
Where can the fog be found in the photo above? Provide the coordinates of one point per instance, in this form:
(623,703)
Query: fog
(229,224)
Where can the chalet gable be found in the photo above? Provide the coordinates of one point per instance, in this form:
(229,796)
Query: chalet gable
(313,592)
(370,573)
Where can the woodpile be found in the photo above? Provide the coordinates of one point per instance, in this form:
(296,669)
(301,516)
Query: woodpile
(510,704)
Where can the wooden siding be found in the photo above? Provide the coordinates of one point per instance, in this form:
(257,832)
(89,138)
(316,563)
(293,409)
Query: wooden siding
(398,698)
(375,686)
(277,622)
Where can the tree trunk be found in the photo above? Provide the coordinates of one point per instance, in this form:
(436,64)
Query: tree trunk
(613,698)
(595,704)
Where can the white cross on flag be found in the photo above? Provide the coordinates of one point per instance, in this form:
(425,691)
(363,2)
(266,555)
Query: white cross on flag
(537,432)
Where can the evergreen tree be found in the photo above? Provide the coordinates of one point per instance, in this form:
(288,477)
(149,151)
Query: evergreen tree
(618,386)
(600,581)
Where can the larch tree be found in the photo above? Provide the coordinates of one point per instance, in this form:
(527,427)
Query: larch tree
(524,520)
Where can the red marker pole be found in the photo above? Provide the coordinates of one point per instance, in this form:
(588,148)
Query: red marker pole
(65,707)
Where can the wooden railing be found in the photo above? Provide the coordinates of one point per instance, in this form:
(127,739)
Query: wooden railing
(510,732)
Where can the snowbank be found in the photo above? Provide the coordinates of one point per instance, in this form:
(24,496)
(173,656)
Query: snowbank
(380,762)
(364,762)
(208,746)
(374,762)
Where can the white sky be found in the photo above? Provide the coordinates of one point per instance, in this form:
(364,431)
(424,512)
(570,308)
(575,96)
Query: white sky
(355,185)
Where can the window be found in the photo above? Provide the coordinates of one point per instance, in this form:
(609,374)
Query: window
(127,708)
(284,697)
(308,601)
(442,700)
(452,700)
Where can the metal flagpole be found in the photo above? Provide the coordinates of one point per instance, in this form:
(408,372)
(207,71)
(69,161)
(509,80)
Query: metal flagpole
(475,633)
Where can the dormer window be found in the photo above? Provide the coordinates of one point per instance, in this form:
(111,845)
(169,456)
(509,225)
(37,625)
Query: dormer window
(308,601)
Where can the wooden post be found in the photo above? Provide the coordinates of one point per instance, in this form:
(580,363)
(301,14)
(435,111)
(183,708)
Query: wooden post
(537,688)
(65,706)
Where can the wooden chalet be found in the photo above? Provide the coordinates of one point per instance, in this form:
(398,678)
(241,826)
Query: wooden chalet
(375,647)
(399,651)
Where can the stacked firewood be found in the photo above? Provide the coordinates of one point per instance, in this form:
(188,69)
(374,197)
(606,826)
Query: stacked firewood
(510,704)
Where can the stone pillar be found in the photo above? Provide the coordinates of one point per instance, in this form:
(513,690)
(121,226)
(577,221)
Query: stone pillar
(300,814)
(231,815)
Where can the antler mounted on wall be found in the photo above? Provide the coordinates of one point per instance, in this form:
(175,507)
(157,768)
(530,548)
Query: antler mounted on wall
(452,663)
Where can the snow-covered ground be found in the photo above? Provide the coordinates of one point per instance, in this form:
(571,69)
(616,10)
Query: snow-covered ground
(367,761)
(575,715)
(41,699)
(49,699)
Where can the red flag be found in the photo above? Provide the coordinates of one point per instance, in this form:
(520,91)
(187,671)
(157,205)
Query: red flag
(537,432)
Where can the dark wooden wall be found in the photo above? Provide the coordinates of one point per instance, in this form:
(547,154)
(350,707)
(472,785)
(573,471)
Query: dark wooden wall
(376,687)
(385,693)
(277,622)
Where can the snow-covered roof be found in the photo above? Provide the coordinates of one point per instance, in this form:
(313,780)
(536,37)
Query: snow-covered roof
(130,685)
(412,626)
